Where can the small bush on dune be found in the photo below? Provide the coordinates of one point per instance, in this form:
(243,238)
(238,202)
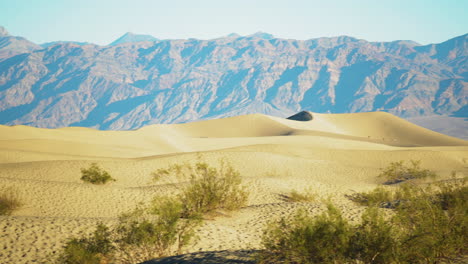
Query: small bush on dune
(95,175)
(168,224)
(392,197)
(306,239)
(328,238)
(434,224)
(372,198)
(428,224)
(209,188)
(9,201)
(398,172)
(95,249)
(453,194)
(387,197)
(295,196)
(374,240)
(156,231)
(142,234)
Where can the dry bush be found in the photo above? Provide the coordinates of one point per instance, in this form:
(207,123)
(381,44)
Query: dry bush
(328,238)
(427,224)
(10,200)
(156,231)
(398,172)
(95,175)
(208,188)
(434,223)
(140,235)
(295,196)
(94,249)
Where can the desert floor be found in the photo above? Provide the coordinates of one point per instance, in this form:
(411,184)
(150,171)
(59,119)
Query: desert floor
(331,155)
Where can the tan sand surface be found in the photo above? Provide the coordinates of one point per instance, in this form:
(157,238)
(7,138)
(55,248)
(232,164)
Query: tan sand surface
(332,155)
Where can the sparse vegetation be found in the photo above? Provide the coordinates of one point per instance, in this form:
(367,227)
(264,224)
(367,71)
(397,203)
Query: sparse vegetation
(10,200)
(95,175)
(295,196)
(374,240)
(306,239)
(428,224)
(157,231)
(398,172)
(209,188)
(434,223)
(419,232)
(386,197)
(94,249)
(328,238)
(168,224)
(142,234)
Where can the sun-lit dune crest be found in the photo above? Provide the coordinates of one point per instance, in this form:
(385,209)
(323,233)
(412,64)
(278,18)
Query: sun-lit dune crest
(253,125)
(379,127)
(358,129)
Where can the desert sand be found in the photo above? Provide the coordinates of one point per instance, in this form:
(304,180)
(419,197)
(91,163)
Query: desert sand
(332,155)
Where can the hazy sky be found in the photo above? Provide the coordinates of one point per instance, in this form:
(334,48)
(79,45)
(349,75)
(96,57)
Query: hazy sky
(102,21)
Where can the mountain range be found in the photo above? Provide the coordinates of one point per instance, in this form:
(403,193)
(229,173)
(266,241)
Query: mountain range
(139,80)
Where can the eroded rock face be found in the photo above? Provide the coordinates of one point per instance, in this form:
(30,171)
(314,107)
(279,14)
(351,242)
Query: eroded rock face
(129,85)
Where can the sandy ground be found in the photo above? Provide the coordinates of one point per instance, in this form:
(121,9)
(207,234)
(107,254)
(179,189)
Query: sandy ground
(331,155)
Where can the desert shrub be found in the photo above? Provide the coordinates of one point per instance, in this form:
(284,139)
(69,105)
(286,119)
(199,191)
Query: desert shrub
(94,249)
(429,225)
(434,224)
(398,172)
(10,200)
(432,220)
(95,175)
(372,198)
(153,232)
(330,238)
(295,196)
(305,239)
(209,188)
(453,194)
(142,234)
(387,197)
(374,240)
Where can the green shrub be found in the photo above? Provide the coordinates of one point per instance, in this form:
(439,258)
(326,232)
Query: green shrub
(372,198)
(453,194)
(95,175)
(330,238)
(157,231)
(9,201)
(95,249)
(429,225)
(398,172)
(374,240)
(434,224)
(142,234)
(209,188)
(388,197)
(295,196)
(304,239)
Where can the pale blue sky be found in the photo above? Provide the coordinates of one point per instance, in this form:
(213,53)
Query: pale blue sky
(103,21)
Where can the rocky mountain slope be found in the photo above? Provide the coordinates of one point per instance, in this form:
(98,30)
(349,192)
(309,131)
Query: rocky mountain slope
(130,37)
(132,84)
(11,45)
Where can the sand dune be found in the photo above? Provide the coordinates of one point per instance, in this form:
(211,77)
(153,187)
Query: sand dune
(332,154)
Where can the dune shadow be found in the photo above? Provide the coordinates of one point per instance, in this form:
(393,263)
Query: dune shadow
(209,257)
